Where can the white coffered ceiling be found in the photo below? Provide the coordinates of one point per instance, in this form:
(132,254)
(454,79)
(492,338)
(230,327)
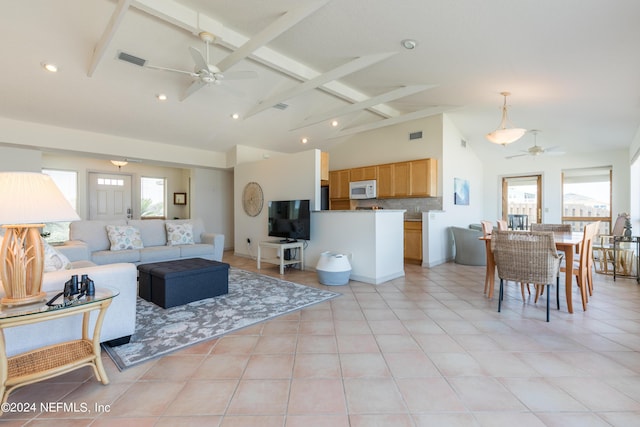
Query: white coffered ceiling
(572,67)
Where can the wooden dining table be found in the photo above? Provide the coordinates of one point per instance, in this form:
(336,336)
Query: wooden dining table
(565,242)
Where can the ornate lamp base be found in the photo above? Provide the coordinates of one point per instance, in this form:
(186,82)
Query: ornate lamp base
(22,258)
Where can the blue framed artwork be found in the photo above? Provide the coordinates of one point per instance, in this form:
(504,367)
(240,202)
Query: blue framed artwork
(460,191)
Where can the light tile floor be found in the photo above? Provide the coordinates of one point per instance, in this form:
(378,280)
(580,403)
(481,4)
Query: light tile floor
(428,349)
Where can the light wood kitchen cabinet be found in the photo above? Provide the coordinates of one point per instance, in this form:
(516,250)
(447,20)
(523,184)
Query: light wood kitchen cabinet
(363,174)
(413,241)
(393,180)
(385,175)
(339,184)
(324,167)
(342,205)
(415,178)
(422,178)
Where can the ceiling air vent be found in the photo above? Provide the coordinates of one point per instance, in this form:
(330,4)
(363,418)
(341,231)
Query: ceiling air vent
(123,56)
(281,106)
(415,135)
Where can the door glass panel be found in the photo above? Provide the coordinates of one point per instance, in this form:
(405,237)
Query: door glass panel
(520,203)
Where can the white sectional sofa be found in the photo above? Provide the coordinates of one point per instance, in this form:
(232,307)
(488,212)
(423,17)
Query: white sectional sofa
(88,240)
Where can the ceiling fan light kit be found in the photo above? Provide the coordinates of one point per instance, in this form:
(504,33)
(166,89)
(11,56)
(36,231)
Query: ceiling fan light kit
(505,135)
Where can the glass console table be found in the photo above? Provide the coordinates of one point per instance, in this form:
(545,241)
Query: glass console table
(626,256)
(57,359)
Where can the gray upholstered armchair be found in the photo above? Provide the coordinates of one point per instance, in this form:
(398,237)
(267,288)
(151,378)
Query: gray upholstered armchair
(469,249)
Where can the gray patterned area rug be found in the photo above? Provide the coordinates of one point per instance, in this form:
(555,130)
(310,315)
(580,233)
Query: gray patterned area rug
(252,298)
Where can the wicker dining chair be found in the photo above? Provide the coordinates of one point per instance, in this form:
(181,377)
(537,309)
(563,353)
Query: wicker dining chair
(526,257)
(556,228)
(502,224)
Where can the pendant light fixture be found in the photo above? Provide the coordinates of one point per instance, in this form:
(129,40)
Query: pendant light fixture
(505,135)
(119,163)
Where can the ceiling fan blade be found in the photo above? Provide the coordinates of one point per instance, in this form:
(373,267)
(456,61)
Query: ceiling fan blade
(240,75)
(516,155)
(201,64)
(173,70)
(195,86)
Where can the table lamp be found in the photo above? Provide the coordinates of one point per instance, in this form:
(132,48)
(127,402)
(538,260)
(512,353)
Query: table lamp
(28,200)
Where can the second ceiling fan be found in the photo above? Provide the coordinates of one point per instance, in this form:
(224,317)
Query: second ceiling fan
(535,149)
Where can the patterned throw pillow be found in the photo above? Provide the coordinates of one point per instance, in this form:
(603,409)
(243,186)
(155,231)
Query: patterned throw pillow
(124,237)
(179,234)
(54,260)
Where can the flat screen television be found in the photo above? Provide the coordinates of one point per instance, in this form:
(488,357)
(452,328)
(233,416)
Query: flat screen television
(290,219)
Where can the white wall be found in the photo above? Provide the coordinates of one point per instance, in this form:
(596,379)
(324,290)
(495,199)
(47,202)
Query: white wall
(286,177)
(634,180)
(52,138)
(460,161)
(391,144)
(20,160)
(175,179)
(551,167)
(212,200)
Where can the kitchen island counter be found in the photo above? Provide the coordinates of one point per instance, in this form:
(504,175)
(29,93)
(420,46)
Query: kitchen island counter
(374,238)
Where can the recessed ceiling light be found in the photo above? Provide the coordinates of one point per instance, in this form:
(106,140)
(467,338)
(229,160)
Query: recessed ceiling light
(53,68)
(235,116)
(334,123)
(161,97)
(409,44)
(304,140)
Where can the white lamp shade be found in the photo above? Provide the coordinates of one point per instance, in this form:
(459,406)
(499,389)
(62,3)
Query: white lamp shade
(506,136)
(32,198)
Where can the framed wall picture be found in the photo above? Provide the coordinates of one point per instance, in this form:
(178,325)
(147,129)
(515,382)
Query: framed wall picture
(460,191)
(179,198)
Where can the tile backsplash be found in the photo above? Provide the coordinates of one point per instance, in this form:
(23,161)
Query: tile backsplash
(413,206)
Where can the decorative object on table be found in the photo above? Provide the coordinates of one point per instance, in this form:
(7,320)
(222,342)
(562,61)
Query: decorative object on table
(505,135)
(252,298)
(460,191)
(333,268)
(179,198)
(252,199)
(627,227)
(28,200)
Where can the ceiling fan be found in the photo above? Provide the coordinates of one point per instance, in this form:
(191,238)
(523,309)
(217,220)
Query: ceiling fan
(535,149)
(204,73)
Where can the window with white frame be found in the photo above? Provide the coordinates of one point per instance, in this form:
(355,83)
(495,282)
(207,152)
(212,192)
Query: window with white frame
(67,182)
(153,197)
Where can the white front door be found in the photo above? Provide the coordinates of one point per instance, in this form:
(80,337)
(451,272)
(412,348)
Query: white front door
(109,196)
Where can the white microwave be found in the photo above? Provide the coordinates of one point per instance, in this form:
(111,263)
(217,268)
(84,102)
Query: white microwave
(363,189)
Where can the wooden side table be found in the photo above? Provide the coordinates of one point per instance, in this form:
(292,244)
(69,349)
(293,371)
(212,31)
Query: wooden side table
(57,359)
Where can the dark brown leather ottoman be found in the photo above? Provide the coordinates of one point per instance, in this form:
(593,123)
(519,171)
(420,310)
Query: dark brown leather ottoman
(182,281)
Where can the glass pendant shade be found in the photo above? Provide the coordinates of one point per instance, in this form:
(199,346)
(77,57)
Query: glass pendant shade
(505,135)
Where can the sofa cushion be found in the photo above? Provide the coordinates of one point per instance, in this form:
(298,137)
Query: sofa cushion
(159,253)
(54,260)
(93,233)
(152,231)
(124,237)
(197,224)
(201,250)
(179,234)
(112,257)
